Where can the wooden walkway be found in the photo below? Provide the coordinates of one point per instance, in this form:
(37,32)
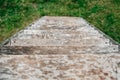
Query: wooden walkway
(60,48)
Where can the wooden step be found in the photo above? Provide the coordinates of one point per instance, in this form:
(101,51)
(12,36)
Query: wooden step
(58,42)
(58,36)
(60,67)
(44,50)
(47,24)
(51,34)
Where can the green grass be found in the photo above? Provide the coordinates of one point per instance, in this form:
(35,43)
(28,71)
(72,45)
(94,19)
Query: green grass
(16,14)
